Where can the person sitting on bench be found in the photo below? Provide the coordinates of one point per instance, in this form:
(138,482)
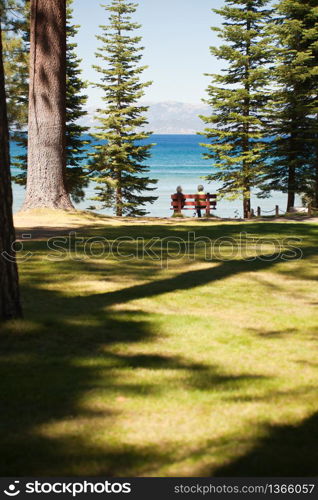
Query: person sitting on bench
(180,196)
(199,201)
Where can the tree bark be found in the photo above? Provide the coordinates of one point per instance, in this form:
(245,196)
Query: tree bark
(246,205)
(47,107)
(10,306)
(291,196)
(119,199)
(291,188)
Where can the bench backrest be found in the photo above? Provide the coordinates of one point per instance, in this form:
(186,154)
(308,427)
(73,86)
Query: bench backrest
(179,201)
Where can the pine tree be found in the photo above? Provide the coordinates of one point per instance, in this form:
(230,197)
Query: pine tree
(119,156)
(305,15)
(293,153)
(10,306)
(16,69)
(76,143)
(15,55)
(237,97)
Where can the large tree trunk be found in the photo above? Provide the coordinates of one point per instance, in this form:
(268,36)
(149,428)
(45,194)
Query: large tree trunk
(47,103)
(291,189)
(293,151)
(119,197)
(247,205)
(9,283)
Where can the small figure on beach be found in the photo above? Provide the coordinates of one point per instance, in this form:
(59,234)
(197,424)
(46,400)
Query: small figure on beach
(200,191)
(180,195)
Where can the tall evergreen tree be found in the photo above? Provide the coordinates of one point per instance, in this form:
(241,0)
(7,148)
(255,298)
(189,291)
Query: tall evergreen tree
(237,97)
(10,306)
(293,112)
(299,35)
(16,68)
(16,60)
(76,142)
(119,156)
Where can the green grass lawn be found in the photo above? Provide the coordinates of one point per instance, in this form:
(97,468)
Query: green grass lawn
(172,367)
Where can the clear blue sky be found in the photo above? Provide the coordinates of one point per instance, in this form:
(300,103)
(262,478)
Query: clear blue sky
(176,35)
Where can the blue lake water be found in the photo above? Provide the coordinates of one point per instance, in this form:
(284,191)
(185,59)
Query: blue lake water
(176,160)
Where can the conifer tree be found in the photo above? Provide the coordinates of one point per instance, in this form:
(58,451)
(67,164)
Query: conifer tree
(293,123)
(298,34)
(76,142)
(16,60)
(118,161)
(16,67)
(237,98)
(10,305)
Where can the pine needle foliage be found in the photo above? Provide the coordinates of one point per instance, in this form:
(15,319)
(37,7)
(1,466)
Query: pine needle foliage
(76,134)
(121,149)
(293,117)
(238,97)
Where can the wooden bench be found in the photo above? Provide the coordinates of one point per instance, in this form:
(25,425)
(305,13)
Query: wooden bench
(203,201)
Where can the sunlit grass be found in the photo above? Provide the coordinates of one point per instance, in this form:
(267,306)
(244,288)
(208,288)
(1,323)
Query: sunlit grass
(173,368)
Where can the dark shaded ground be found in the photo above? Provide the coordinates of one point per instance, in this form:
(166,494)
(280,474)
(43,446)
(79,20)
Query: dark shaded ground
(272,456)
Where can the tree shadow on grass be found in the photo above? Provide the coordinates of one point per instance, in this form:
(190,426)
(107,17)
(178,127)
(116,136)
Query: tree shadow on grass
(275,334)
(46,375)
(188,280)
(149,230)
(43,377)
(146,266)
(286,451)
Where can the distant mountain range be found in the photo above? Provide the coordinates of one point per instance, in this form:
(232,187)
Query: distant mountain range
(168,117)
